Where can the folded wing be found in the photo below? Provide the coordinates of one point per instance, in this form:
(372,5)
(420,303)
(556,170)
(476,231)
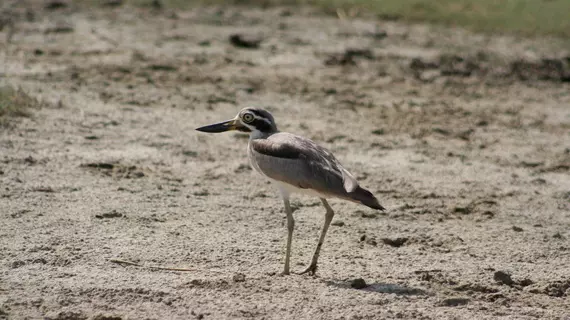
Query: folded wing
(304,164)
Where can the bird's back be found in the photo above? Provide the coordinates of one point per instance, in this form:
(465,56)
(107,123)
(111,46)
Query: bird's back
(303,164)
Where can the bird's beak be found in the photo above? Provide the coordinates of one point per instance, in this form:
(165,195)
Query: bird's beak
(232,124)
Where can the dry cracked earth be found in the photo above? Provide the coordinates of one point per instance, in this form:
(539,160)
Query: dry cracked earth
(465,139)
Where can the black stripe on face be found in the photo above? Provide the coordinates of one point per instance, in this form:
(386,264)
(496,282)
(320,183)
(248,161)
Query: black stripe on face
(261,125)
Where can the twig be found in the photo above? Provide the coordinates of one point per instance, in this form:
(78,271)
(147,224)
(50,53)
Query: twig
(341,14)
(105,38)
(150,267)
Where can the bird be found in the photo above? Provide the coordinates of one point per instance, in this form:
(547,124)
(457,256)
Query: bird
(296,165)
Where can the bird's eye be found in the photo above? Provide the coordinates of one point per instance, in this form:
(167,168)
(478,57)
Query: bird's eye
(247,117)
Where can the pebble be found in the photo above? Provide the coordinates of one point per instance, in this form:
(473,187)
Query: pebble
(239,277)
(358,283)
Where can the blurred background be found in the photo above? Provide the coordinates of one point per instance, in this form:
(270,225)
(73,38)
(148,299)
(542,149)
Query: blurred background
(530,17)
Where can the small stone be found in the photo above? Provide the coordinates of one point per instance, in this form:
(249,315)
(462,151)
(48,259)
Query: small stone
(526,282)
(112,3)
(358,283)
(557,288)
(517,229)
(463,210)
(397,242)
(40,261)
(156,4)
(503,278)
(196,282)
(368,215)
(239,277)
(245,41)
(371,241)
(204,43)
(201,193)
(338,223)
(107,317)
(557,235)
(454,302)
(111,214)
(489,214)
(56,4)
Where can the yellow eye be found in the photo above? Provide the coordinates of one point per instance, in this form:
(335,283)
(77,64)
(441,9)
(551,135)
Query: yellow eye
(247,117)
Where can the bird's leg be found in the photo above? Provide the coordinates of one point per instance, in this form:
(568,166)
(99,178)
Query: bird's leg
(312,268)
(290,228)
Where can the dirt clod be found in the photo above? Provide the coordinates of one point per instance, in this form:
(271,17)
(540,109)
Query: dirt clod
(108,215)
(525,282)
(463,210)
(100,165)
(371,241)
(503,277)
(248,41)
(239,277)
(358,283)
(395,242)
(337,223)
(112,3)
(66,315)
(545,69)
(558,288)
(60,28)
(348,57)
(44,189)
(454,302)
(56,4)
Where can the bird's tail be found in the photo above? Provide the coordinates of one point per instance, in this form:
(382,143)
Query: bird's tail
(366,197)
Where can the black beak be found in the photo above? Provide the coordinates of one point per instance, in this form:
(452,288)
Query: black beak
(219,127)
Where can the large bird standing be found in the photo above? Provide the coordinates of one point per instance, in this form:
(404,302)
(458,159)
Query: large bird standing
(295,164)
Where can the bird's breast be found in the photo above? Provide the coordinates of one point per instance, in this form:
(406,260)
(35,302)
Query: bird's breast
(252,159)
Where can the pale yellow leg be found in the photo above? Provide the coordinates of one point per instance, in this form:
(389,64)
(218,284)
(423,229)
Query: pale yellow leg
(290,228)
(312,268)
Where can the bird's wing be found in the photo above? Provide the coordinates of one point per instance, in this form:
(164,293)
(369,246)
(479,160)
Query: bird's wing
(302,163)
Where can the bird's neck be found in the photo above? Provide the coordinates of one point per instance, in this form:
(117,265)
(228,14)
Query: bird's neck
(257,134)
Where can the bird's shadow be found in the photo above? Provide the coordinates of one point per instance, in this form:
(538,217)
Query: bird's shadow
(379,287)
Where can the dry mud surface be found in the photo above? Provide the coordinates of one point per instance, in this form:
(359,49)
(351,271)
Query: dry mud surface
(463,137)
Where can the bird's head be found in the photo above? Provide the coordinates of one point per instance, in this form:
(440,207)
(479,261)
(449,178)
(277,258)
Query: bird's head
(254,120)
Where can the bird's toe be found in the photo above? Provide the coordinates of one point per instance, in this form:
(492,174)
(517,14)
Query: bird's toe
(311,270)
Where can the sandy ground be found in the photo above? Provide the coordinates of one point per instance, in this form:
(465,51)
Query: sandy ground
(463,137)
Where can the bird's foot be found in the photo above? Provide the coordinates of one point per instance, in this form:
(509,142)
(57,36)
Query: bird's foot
(284,272)
(311,269)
